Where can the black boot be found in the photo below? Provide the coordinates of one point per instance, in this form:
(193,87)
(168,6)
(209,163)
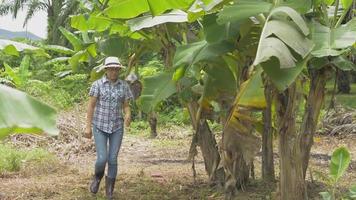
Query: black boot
(109,183)
(94,186)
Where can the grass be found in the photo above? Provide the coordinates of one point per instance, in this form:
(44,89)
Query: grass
(347,100)
(149,188)
(139,128)
(12,159)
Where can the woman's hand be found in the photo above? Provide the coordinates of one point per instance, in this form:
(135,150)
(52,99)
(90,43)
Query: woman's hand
(127,116)
(127,122)
(88,132)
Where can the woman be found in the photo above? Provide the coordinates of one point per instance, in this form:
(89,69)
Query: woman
(109,96)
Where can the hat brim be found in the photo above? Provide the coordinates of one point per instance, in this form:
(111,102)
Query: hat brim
(113,65)
(110,66)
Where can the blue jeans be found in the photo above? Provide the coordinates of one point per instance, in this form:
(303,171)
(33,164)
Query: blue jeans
(103,155)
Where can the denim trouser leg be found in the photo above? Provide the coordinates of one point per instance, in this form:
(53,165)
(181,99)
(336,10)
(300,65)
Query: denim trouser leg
(103,156)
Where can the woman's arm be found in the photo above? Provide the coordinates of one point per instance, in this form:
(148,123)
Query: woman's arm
(90,113)
(127,111)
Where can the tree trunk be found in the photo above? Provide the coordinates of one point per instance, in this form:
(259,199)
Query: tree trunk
(239,146)
(267,138)
(237,169)
(153,124)
(58,16)
(343,82)
(205,139)
(312,111)
(207,143)
(50,24)
(292,184)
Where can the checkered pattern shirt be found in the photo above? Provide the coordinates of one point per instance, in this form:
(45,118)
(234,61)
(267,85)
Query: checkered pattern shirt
(108,115)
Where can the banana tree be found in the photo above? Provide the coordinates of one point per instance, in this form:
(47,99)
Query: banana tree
(294,157)
(281,47)
(331,54)
(238,123)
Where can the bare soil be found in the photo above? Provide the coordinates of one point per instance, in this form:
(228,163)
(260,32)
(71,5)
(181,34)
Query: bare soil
(148,168)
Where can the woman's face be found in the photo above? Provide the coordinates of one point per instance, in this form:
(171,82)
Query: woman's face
(112,73)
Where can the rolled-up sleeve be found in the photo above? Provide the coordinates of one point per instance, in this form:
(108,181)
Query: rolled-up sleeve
(94,90)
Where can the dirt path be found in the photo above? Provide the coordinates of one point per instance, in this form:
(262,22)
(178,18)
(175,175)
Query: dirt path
(148,168)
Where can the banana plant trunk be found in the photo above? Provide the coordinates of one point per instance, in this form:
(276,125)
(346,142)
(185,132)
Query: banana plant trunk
(313,106)
(208,146)
(152,120)
(238,150)
(292,185)
(205,139)
(267,137)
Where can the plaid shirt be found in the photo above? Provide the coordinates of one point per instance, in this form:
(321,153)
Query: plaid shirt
(108,115)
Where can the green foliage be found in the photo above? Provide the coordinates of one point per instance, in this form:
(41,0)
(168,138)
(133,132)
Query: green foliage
(282,78)
(59,49)
(155,89)
(117,46)
(73,39)
(332,41)
(252,92)
(149,21)
(61,93)
(126,9)
(20,75)
(243,10)
(352,192)
(151,68)
(13,47)
(140,128)
(199,51)
(175,115)
(132,8)
(340,161)
(76,85)
(20,113)
(346,100)
(11,50)
(215,32)
(215,127)
(280,34)
(157,7)
(346,4)
(12,159)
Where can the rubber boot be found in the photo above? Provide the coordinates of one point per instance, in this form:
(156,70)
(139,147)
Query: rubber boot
(110,183)
(94,186)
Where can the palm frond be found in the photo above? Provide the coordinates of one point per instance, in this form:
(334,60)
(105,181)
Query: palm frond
(33,7)
(70,8)
(18,5)
(5,8)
